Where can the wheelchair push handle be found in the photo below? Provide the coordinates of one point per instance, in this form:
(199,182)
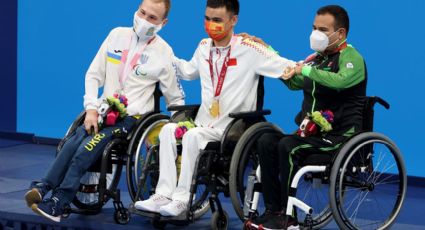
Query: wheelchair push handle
(381,101)
(258,113)
(183,107)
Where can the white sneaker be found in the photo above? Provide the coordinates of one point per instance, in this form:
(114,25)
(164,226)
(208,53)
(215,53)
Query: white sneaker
(174,208)
(153,203)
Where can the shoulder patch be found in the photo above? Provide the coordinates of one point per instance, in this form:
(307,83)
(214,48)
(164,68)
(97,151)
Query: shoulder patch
(349,65)
(204,41)
(265,51)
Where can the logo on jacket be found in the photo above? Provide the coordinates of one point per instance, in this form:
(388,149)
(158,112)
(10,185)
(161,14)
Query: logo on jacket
(138,71)
(350,65)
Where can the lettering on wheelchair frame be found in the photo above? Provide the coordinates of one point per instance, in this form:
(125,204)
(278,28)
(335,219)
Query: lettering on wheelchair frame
(93,142)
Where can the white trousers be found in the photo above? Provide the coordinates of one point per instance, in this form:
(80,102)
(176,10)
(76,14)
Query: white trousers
(193,141)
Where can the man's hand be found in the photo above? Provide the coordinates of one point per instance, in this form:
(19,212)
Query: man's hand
(299,68)
(91,121)
(288,73)
(255,39)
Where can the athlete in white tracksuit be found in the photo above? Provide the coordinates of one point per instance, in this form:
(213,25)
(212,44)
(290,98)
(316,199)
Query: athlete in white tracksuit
(229,69)
(239,94)
(130,61)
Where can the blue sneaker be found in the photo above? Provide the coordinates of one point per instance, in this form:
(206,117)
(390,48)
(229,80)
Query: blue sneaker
(49,208)
(37,193)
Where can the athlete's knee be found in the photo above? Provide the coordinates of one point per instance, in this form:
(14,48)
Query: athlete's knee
(266,139)
(192,135)
(167,130)
(286,145)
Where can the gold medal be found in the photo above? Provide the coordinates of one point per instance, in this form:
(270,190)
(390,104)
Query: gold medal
(215,108)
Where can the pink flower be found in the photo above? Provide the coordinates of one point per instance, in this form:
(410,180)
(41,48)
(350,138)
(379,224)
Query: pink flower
(179,133)
(111,118)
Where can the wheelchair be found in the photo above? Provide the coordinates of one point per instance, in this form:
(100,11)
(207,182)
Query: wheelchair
(362,186)
(211,175)
(99,184)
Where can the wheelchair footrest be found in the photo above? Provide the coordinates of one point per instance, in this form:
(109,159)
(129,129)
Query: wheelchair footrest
(182,218)
(68,210)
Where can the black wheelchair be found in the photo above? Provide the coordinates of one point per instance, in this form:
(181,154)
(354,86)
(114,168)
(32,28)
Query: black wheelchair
(211,175)
(99,184)
(362,187)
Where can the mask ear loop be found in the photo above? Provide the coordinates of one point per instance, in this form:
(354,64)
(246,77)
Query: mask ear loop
(335,40)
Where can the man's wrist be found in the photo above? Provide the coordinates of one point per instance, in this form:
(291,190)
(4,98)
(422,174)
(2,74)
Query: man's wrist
(90,107)
(306,70)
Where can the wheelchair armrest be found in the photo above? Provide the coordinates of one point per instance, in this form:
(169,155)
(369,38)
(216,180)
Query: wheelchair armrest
(250,114)
(183,107)
(183,112)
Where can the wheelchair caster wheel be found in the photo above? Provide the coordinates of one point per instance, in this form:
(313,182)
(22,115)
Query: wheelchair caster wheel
(65,215)
(247,225)
(122,216)
(66,211)
(308,222)
(157,224)
(219,222)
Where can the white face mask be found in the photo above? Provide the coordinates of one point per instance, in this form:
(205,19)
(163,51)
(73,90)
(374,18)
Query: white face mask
(319,41)
(145,29)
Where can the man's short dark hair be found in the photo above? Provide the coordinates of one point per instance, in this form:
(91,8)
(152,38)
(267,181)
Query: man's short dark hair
(231,5)
(340,14)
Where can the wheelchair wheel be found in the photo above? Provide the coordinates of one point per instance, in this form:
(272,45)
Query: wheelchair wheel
(219,222)
(369,171)
(71,129)
(145,140)
(244,163)
(143,168)
(122,216)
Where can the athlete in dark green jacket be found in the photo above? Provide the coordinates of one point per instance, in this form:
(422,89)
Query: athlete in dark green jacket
(333,81)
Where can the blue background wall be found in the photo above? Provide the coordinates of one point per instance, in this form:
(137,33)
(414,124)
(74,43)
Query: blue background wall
(58,39)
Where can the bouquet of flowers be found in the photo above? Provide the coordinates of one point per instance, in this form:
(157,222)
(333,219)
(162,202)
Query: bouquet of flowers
(313,122)
(182,128)
(111,109)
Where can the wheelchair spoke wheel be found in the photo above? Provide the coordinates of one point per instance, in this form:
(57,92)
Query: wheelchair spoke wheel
(143,166)
(71,130)
(146,143)
(370,173)
(244,163)
(314,191)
